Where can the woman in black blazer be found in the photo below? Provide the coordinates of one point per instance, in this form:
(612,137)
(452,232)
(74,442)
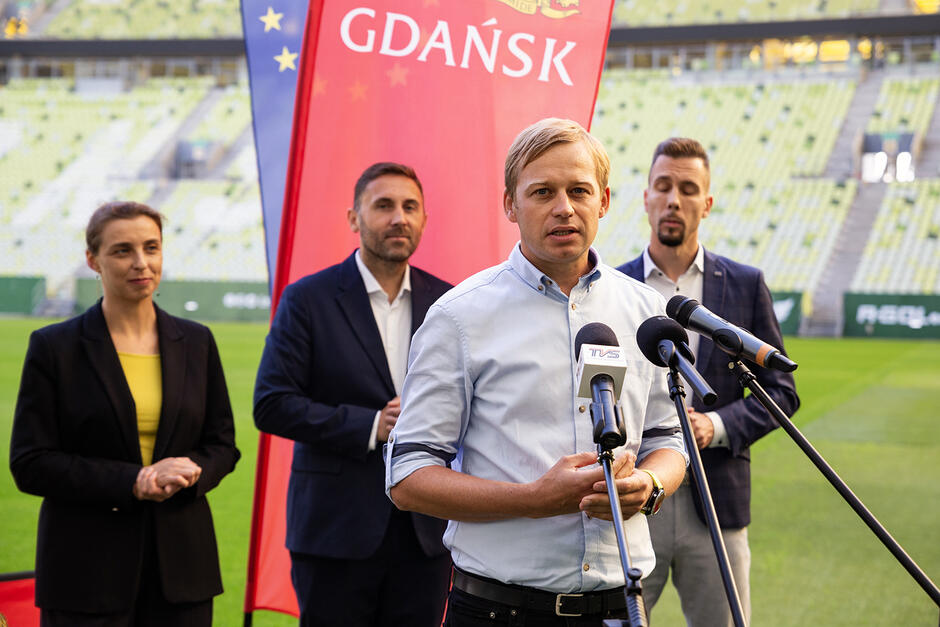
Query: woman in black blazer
(122,425)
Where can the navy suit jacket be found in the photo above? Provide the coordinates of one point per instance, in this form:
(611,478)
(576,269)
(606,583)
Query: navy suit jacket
(75,443)
(322,378)
(737,293)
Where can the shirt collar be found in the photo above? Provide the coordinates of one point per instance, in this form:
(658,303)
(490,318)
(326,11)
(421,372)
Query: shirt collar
(536,278)
(372,284)
(649,265)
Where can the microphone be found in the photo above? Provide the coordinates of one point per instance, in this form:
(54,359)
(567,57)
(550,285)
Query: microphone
(602,367)
(665,343)
(731,339)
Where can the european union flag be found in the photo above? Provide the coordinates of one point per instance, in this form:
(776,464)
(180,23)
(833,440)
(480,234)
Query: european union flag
(274,32)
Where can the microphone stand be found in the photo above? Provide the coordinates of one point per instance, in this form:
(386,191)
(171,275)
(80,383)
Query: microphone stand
(749,381)
(676,362)
(608,435)
(632,589)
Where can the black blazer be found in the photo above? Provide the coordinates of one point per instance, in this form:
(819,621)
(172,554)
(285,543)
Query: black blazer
(75,444)
(737,293)
(323,376)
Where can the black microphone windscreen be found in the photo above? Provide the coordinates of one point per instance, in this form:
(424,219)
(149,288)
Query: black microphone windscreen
(680,308)
(594,333)
(672,307)
(656,329)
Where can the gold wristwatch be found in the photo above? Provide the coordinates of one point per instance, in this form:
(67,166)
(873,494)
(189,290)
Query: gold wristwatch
(655,501)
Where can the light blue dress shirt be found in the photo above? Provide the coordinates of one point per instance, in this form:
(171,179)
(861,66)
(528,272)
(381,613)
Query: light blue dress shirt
(491,381)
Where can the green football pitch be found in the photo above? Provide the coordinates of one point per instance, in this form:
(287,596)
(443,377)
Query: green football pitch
(865,407)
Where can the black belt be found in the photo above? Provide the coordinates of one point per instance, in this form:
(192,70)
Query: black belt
(574,604)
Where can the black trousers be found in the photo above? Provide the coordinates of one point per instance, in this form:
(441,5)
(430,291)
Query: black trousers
(465,610)
(398,586)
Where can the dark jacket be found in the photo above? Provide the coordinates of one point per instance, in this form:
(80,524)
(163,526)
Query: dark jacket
(737,293)
(323,376)
(75,443)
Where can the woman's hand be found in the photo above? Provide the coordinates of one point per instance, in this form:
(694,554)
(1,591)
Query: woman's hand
(163,479)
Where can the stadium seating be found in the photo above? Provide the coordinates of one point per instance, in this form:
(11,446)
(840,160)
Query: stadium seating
(674,12)
(228,118)
(902,254)
(214,231)
(57,164)
(764,139)
(904,104)
(145,19)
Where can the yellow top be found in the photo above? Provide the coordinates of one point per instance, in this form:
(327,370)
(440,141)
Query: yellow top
(146,383)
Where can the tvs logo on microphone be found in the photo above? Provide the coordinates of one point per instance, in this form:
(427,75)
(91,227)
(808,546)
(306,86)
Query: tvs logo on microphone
(604,353)
(555,9)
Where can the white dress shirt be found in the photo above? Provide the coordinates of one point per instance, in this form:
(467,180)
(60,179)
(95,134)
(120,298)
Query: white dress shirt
(394,322)
(491,384)
(691,284)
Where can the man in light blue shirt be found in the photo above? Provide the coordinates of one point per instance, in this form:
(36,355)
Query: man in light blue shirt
(491,387)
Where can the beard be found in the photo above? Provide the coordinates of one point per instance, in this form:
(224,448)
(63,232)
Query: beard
(671,237)
(379,248)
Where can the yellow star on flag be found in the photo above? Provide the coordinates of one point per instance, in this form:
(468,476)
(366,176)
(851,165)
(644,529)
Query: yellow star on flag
(358,91)
(286,59)
(398,75)
(271,20)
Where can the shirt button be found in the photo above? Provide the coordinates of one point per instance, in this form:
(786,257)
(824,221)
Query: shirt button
(541,287)
(573,306)
(582,409)
(586,567)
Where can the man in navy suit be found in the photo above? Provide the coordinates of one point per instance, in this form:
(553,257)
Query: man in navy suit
(330,379)
(676,200)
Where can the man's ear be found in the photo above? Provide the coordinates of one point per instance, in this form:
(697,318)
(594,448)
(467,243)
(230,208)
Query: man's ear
(605,203)
(92,262)
(508,206)
(352,216)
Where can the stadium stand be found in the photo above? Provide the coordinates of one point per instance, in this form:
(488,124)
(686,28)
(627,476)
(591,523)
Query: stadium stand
(145,19)
(676,12)
(781,115)
(903,249)
(214,231)
(905,104)
(57,163)
(764,137)
(228,118)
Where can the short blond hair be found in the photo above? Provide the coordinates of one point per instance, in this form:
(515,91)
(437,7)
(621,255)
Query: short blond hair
(533,141)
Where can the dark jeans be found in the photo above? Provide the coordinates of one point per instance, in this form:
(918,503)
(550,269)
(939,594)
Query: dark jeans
(464,610)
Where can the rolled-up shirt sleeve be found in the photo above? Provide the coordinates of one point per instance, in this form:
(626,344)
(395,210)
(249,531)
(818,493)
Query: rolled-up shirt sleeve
(661,424)
(435,399)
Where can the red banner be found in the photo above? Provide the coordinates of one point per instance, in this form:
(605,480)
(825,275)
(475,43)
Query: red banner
(16,600)
(443,86)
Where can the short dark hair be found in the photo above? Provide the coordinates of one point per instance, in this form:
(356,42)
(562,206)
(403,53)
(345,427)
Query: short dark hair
(680,148)
(383,168)
(117,210)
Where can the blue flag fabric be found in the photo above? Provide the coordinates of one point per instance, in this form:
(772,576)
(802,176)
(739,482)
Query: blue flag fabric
(274,32)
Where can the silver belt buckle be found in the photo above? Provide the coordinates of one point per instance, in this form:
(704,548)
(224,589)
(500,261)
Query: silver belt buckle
(558,599)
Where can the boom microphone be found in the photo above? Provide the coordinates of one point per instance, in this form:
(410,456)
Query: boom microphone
(731,339)
(665,343)
(601,370)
